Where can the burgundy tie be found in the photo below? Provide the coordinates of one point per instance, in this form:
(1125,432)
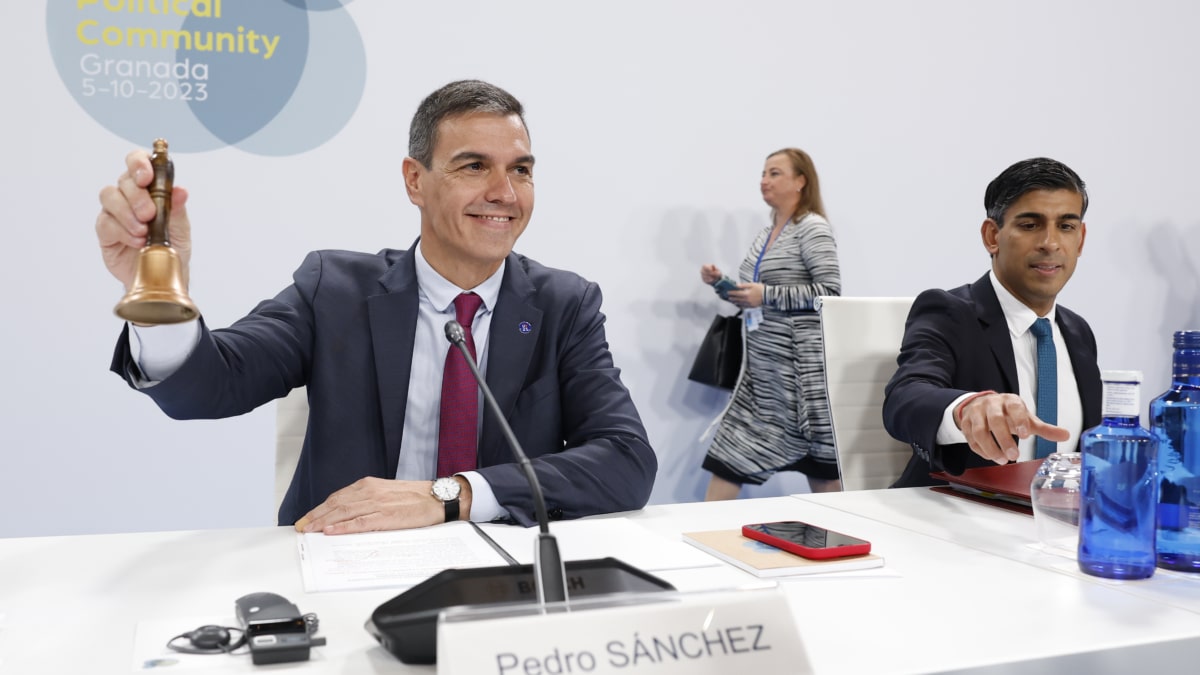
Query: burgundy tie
(460,398)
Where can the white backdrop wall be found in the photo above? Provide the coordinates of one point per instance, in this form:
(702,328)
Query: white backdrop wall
(650,122)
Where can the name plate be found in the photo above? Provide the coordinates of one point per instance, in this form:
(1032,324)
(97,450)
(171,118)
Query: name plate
(665,634)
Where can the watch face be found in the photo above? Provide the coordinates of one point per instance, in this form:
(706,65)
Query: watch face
(446,489)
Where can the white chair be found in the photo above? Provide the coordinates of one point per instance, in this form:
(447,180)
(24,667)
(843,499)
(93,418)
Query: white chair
(291,421)
(861,338)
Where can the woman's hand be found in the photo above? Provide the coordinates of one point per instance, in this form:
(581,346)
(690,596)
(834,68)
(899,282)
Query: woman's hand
(710,273)
(747,295)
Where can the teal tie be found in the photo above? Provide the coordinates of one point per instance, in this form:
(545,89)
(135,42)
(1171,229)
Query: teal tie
(1047,382)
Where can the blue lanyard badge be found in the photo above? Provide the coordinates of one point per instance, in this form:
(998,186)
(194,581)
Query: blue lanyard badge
(763,252)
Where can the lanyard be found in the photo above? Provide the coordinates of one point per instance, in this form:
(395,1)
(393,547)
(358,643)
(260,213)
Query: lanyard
(766,244)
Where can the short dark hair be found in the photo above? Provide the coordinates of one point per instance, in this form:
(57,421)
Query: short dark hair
(457,98)
(1038,173)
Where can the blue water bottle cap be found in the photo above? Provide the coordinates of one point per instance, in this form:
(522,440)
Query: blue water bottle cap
(1187,339)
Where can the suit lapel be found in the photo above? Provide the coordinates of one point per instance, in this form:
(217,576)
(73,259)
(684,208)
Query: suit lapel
(393,316)
(1085,368)
(515,331)
(995,330)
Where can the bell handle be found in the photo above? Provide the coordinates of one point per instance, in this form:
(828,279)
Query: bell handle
(160,194)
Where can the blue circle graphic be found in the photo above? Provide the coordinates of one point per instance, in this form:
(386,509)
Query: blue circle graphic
(247,92)
(272,77)
(319,5)
(326,97)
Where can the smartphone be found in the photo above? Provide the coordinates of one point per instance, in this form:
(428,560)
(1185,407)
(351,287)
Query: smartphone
(725,284)
(805,540)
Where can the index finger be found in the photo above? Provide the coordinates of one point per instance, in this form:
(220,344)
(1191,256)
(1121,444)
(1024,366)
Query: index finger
(327,515)
(1047,431)
(302,524)
(340,501)
(318,512)
(1020,419)
(137,165)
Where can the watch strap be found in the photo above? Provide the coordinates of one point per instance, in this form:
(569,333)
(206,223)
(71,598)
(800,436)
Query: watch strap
(451,509)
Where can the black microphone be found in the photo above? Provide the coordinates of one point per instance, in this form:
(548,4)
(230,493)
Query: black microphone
(548,571)
(407,624)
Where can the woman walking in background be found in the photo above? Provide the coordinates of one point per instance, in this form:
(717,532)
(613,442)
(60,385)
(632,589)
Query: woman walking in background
(778,419)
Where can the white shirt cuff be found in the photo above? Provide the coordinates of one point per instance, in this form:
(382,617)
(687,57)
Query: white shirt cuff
(948,432)
(159,351)
(484,507)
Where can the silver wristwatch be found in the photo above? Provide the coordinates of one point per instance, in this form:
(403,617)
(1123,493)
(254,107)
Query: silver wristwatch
(447,490)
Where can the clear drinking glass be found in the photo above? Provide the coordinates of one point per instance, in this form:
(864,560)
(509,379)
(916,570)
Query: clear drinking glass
(1055,496)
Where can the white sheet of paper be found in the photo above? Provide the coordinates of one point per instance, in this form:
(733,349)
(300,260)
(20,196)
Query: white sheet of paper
(397,558)
(619,538)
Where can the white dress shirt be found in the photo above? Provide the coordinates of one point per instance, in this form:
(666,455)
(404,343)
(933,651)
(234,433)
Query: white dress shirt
(160,350)
(1070,411)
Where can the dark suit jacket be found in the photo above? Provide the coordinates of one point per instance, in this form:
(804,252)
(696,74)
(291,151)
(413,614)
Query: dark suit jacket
(957,342)
(345,328)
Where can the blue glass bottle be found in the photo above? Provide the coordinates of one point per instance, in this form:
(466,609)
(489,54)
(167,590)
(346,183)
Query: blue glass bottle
(1118,491)
(1175,420)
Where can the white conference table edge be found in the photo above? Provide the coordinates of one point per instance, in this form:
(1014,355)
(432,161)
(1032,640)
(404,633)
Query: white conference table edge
(1001,532)
(946,603)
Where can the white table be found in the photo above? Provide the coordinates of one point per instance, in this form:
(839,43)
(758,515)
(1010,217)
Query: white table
(957,596)
(998,532)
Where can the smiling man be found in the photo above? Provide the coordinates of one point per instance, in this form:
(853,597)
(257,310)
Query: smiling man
(398,436)
(996,371)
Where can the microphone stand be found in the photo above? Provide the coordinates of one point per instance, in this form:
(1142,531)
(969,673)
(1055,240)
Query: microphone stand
(550,577)
(407,624)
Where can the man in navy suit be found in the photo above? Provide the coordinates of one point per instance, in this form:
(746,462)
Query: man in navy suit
(364,333)
(965,390)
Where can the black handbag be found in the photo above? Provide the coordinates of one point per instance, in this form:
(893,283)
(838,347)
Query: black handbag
(719,359)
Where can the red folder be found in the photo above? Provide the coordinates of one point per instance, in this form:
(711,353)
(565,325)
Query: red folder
(1003,485)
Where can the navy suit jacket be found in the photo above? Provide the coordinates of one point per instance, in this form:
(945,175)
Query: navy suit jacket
(345,329)
(957,342)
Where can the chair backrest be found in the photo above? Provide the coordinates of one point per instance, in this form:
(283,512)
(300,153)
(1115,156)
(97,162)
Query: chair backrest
(861,338)
(291,422)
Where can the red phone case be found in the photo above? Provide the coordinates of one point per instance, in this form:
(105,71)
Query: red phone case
(806,552)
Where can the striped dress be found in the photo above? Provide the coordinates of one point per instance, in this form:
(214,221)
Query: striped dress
(778,418)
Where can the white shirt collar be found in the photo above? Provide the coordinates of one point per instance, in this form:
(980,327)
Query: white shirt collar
(441,292)
(1016,313)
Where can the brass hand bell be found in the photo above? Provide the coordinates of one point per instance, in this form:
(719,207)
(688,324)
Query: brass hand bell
(158,294)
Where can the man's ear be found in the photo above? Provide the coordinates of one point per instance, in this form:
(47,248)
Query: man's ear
(990,233)
(413,172)
(1082,237)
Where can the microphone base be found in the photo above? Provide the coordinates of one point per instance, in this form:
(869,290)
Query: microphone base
(406,625)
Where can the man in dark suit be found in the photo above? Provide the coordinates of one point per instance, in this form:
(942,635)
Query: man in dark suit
(966,388)
(364,334)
